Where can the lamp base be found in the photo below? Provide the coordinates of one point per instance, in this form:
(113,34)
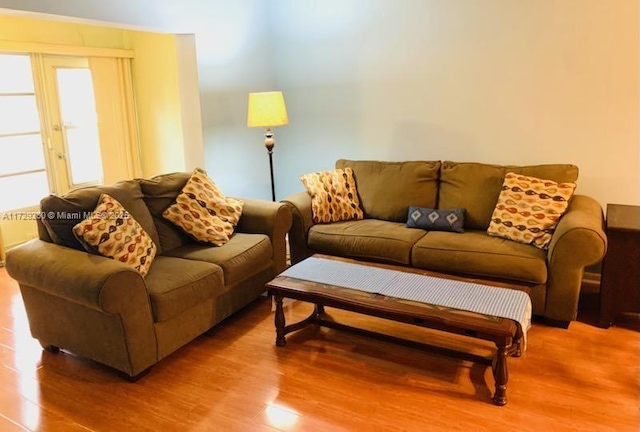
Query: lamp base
(269,142)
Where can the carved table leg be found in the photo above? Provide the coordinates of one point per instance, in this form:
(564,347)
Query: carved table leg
(517,343)
(501,374)
(279,321)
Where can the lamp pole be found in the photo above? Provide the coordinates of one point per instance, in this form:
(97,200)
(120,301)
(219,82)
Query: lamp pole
(269,143)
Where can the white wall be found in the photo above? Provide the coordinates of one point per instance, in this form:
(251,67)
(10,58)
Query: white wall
(142,13)
(190,101)
(498,81)
(513,82)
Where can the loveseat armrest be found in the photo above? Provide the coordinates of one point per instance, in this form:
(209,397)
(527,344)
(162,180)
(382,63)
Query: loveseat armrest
(272,219)
(71,274)
(300,205)
(579,240)
(94,306)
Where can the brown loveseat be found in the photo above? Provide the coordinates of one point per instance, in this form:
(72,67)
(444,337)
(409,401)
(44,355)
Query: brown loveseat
(387,189)
(104,310)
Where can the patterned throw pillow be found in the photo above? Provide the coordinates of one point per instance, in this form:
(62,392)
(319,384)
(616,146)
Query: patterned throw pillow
(112,232)
(202,211)
(529,208)
(333,195)
(436,219)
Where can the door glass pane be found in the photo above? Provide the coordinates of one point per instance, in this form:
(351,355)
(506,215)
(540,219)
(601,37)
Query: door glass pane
(22,191)
(79,119)
(21,153)
(77,103)
(18,114)
(83,159)
(15,74)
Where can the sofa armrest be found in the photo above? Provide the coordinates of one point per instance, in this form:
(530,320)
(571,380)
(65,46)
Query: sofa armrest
(579,240)
(272,219)
(300,205)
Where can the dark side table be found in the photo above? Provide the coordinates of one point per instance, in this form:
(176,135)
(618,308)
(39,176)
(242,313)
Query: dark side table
(620,281)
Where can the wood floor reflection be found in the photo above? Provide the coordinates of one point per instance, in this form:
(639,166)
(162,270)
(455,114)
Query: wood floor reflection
(233,378)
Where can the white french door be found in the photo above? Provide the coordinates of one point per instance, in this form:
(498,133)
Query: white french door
(71,123)
(66,121)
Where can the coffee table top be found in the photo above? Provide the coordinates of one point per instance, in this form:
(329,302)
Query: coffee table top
(310,290)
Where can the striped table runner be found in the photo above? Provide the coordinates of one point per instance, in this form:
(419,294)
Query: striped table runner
(472,297)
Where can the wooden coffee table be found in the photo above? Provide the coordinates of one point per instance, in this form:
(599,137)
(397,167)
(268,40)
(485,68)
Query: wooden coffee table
(506,334)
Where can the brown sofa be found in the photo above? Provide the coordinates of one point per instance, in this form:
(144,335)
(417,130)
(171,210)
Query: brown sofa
(104,310)
(387,189)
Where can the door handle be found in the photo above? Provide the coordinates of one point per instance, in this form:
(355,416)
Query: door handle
(61,155)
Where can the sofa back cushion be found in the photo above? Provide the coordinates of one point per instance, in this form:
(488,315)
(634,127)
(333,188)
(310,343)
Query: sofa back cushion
(476,186)
(387,189)
(64,212)
(160,192)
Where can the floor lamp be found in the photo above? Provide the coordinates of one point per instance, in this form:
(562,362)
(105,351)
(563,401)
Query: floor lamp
(267,110)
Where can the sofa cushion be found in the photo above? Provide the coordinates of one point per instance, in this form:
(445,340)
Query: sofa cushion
(476,253)
(159,193)
(387,189)
(334,195)
(436,219)
(176,285)
(369,238)
(243,256)
(529,208)
(111,232)
(72,208)
(203,212)
(476,186)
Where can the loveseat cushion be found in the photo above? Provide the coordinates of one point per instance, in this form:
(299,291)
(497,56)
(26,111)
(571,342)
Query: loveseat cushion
(203,212)
(372,239)
(111,232)
(72,208)
(476,186)
(243,256)
(476,253)
(176,285)
(387,189)
(159,193)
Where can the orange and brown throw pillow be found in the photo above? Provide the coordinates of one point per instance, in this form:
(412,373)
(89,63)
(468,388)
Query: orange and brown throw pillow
(202,211)
(333,194)
(112,232)
(529,209)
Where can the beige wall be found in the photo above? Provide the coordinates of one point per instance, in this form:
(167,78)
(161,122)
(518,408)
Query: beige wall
(165,79)
(155,81)
(24,29)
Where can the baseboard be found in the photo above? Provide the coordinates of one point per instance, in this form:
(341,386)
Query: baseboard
(590,283)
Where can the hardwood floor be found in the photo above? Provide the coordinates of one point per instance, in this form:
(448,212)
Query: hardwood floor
(233,378)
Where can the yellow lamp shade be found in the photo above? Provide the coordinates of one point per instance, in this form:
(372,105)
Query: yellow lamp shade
(266,109)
